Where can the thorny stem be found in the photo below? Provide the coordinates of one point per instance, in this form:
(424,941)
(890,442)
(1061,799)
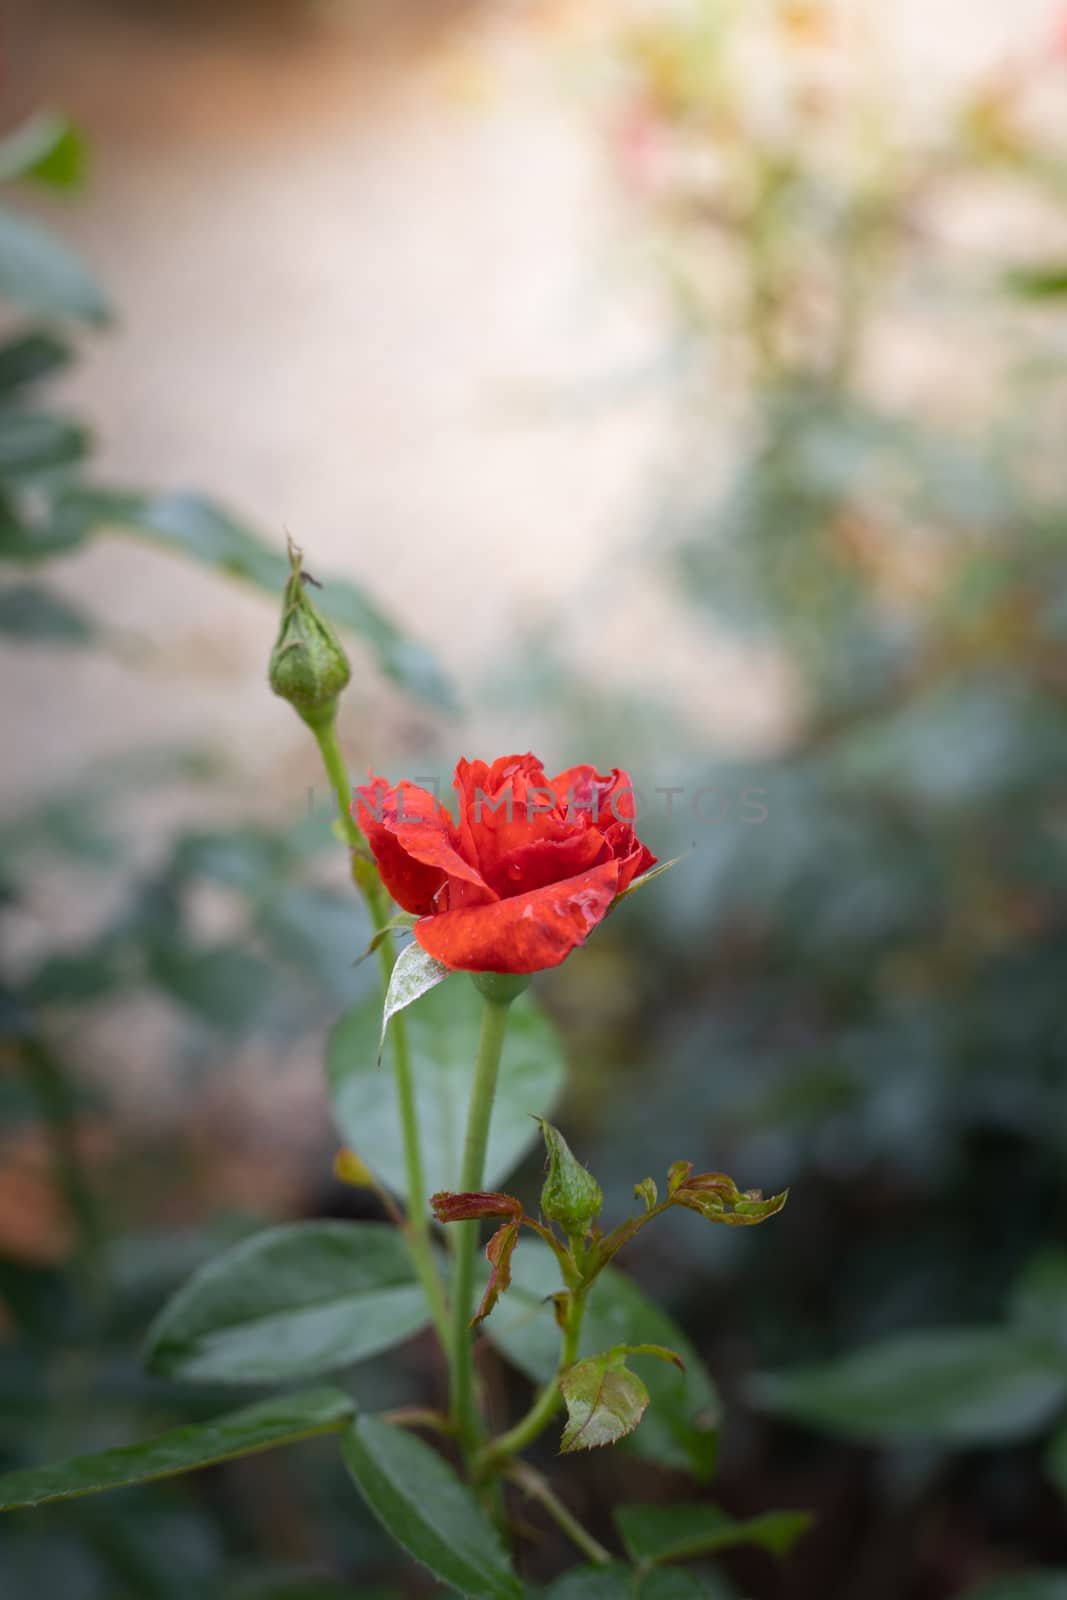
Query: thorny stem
(416,1229)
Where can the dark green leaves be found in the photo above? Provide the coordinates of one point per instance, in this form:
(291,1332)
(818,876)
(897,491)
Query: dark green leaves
(30,356)
(615,1582)
(419,1501)
(955,1385)
(681,1532)
(290,1303)
(1039,1304)
(225,985)
(442,1029)
(605,1401)
(1025,1586)
(33,614)
(38,272)
(618,1582)
(1056,1459)
(32,443)
(264,1426)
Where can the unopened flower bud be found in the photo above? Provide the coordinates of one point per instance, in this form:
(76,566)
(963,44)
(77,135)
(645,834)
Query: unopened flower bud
(571,1195)
(308,666)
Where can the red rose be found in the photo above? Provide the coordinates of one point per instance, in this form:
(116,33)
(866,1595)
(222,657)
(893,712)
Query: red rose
(527,873)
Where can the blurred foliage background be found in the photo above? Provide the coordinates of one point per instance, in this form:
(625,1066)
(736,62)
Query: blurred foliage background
(733,453)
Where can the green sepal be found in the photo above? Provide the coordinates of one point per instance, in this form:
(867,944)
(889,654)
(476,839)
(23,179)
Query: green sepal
(501,988)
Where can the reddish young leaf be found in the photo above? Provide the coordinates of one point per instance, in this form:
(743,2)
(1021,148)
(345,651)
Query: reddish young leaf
(465,1207)
(498,1253)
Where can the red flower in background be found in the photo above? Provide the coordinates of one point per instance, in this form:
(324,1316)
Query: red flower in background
(525,875)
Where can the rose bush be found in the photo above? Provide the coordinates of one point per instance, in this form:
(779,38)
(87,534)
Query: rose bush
(530,867)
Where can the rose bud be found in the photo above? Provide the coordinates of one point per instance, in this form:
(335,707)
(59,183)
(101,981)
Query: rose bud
(308,666)
(571,1195)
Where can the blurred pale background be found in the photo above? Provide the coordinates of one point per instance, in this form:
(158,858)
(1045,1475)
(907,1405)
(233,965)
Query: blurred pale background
(377,284)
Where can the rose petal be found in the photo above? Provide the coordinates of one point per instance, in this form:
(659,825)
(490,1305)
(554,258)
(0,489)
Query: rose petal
(604,798)
(526,933)
(633,856)
(411,883)
(504,807)
(545,861)
(423,828)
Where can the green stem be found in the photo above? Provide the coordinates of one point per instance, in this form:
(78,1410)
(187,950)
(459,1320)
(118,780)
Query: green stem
(490,1044)
(547,1403)
(533,1484)
(417,1227)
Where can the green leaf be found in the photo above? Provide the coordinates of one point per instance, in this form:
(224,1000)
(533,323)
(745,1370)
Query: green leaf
(1045,280)
(295,1301)
(194,526)
(665,1583)
(605,1401)
(295,1586)
(1039,1303)
(614,1582)
(224,984)
(433,1516)
(679,1427)
(681,1532)
(32,443)
(716,1197)
(22,539)
(314,930)
(263,1426)
(954,1385)
(1056,1459)
(39,272)
(442,1031)
(618,1582)
(37,616)
(1024,1586)
(414,974)
(44,147)
(30,356)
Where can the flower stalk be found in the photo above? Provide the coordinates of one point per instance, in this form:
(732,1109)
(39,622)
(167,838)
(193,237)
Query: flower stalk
(416,1226)
(487,1065)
